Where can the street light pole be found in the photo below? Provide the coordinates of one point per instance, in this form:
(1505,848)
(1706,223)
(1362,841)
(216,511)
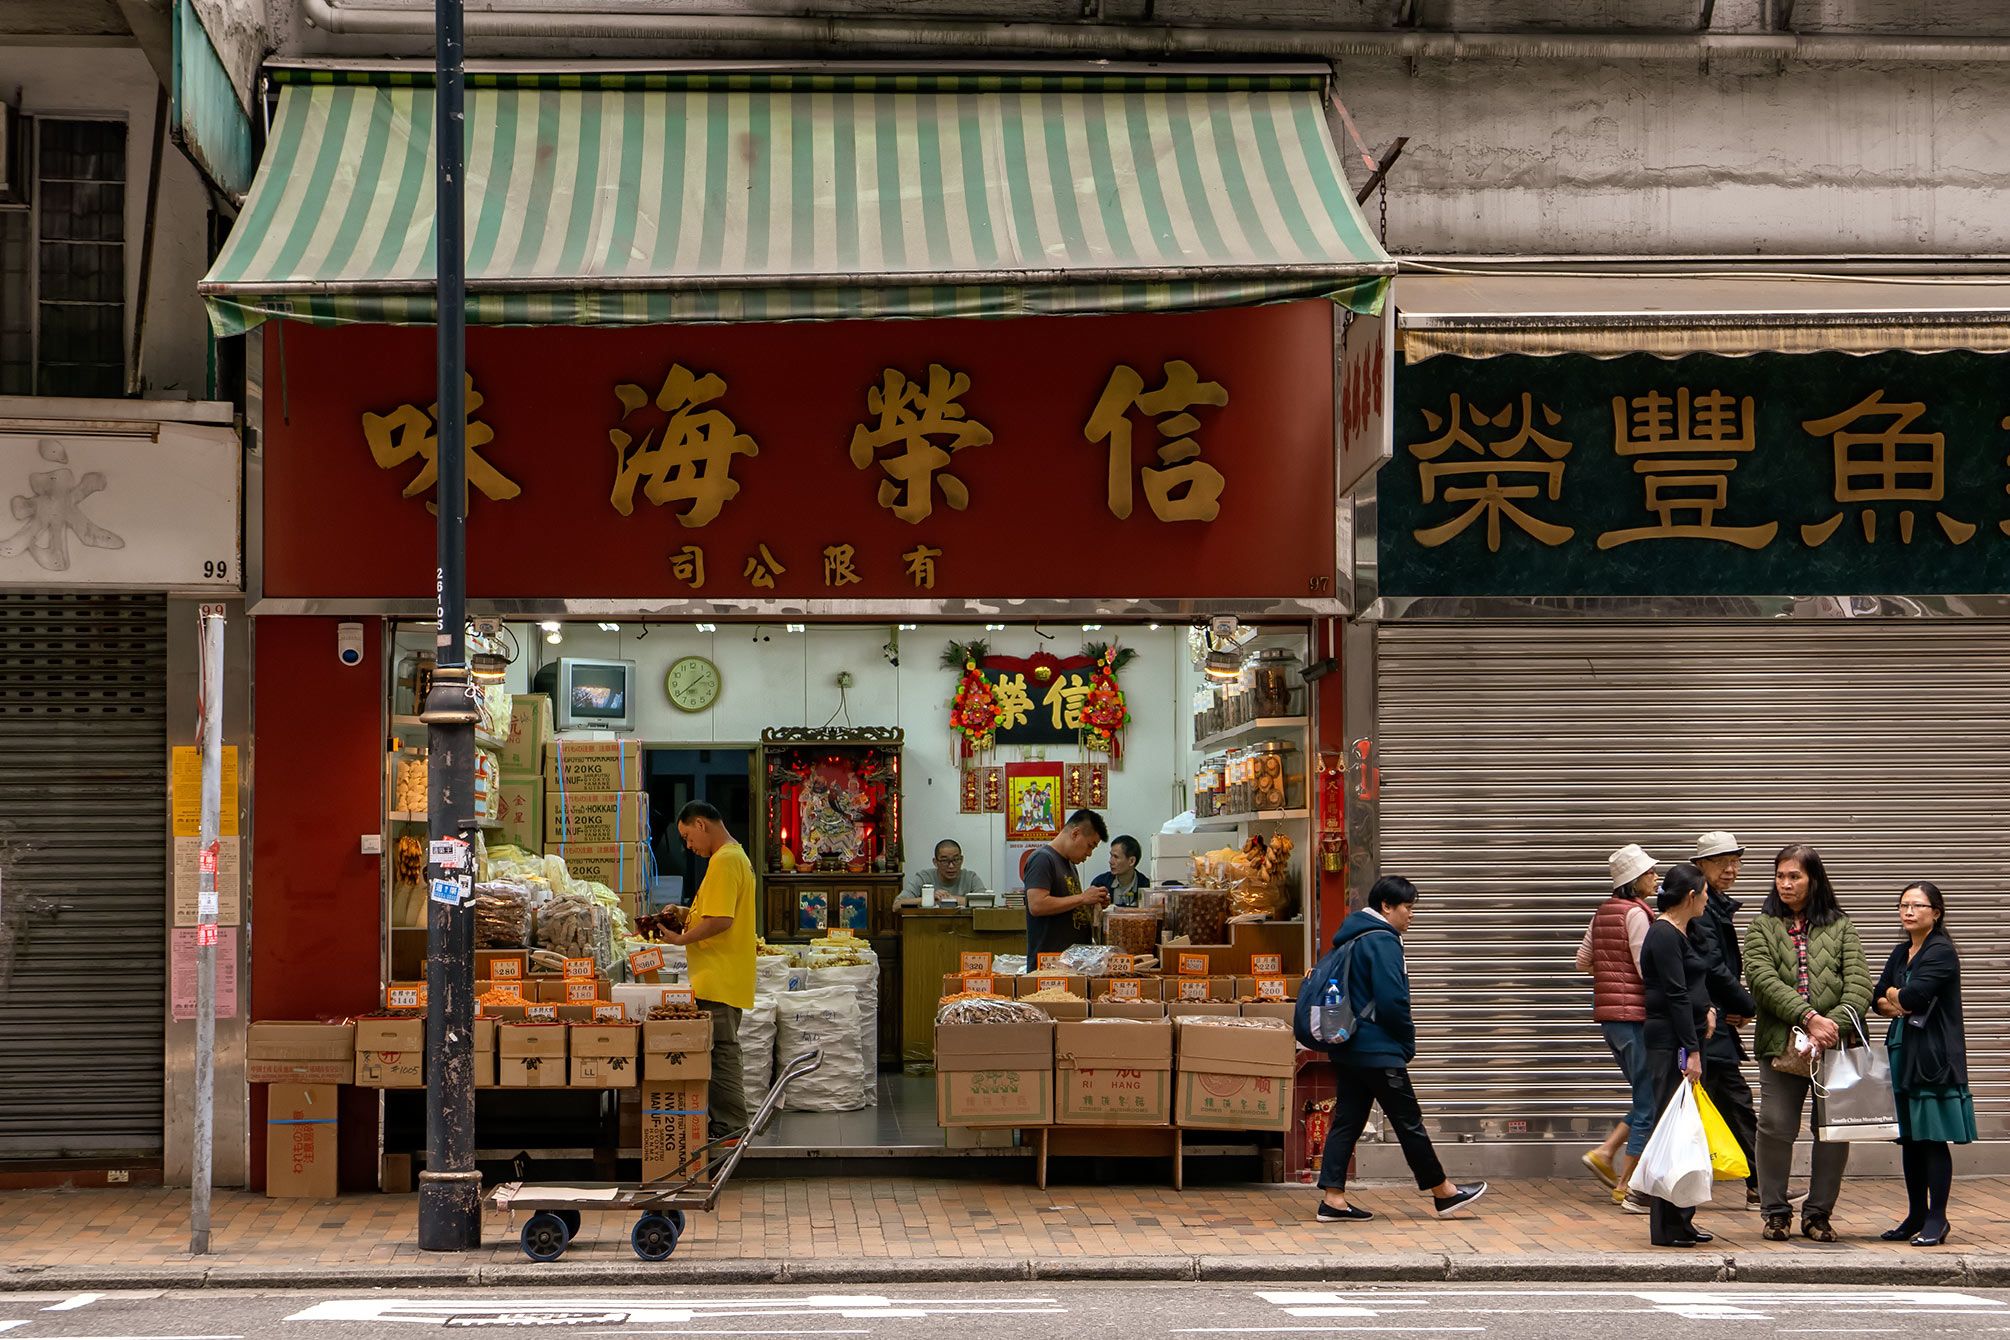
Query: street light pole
(450,1188)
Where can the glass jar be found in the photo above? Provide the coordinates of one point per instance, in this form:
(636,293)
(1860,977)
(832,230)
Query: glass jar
(1274,681)
(1276,776)
(1233,794)
(1133,931)
(1207,788)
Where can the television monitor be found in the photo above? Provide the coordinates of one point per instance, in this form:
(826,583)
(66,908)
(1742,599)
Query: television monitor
(588,694)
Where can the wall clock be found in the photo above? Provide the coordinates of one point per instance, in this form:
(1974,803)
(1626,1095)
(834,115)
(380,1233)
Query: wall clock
(693,684)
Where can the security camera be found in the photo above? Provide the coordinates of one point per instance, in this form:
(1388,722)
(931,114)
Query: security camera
(349,643)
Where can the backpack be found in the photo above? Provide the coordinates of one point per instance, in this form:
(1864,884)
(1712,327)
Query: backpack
(1318,1026)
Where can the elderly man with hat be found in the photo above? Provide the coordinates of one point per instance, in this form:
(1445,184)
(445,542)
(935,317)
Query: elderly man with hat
(1715,937)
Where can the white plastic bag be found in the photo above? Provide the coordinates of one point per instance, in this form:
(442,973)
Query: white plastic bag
(757,1048)
(824,1019)
(1180,823)
(1675,1166)
(864,984)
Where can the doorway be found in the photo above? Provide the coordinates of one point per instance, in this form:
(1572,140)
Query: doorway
(723,778)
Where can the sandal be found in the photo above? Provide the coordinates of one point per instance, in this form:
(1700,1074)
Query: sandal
(1815,1227)
(1776,1227)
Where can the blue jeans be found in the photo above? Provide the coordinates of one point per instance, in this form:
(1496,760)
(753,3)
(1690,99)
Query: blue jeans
(1629,1048)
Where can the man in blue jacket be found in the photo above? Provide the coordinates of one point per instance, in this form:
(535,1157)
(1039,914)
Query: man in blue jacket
(1371,1066)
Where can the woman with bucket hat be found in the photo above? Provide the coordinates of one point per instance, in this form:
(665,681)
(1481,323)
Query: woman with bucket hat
(1610,952)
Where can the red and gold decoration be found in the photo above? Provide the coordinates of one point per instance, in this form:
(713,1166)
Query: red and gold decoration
(1035,808)
(1104,714)
(973,714)
(1099,786)
(1075,785)
(1039,699)
(970,791)
(994,789)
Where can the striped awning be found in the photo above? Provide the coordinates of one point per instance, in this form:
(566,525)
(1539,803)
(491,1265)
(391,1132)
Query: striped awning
(786,197)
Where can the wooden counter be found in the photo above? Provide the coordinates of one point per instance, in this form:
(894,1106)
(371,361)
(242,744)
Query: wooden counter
(931,943)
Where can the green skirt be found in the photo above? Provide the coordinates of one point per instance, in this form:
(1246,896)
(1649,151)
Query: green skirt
(1937,1112)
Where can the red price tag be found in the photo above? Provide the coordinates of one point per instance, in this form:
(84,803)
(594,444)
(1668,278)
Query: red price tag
(1193,989)
(1193,965)
(978,963)
(1266,965)
(1272,988)
(205,934)
(645,960)
(579,967)
(1050,983)
(1120,964)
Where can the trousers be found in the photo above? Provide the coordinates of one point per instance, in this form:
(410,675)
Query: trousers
(1781,1100)
(1356,1089)
(726,1108)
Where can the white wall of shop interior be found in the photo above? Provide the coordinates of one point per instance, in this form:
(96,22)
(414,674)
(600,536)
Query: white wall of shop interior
(789,679)
(117,82)
(1551,156)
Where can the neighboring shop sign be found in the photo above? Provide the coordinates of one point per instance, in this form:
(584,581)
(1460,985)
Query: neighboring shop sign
(1774,474)
(139,506)
(1186,456)
(1367,390)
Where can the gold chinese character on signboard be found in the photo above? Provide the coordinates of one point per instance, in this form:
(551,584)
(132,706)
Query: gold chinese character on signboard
(1015,705)
(929,425)
(1687,447)
(687,565)
(763,568)
(1499,457)
(920,562)
(1181,487)
(839,569)
(409,432)
(688,458)
(1065,696)
(1890,464)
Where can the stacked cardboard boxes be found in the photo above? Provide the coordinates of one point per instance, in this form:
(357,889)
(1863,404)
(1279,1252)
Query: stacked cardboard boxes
(302,1066)
(521,788)
(596,814)
(1234,1079)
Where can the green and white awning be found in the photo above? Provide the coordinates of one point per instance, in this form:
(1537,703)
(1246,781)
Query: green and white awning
(633,199)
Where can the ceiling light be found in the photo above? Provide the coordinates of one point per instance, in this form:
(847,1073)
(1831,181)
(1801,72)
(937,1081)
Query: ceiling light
(554,637)
(708,628)
(1092,628)
(1153,627)
(549,625)
(909,627)
(610,627)
(994,627)
(489,667)
(798,628)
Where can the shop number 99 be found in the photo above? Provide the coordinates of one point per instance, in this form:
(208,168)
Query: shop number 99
(216,569)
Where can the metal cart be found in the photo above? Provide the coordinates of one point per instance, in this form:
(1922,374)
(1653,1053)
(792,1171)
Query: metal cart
(555,1211)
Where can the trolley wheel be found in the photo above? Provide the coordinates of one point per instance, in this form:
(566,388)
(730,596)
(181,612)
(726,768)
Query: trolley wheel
(544,1237)
(655,1235)
(570,1218)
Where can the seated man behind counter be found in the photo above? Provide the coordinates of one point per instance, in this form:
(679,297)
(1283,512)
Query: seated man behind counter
(947,875)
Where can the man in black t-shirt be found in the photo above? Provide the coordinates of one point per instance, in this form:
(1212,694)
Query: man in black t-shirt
(1054,888)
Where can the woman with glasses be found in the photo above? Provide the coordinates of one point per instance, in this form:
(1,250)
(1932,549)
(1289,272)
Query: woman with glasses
(1920,992)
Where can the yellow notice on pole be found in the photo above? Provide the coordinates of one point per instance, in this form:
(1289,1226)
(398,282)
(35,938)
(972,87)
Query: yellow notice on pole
(187,796)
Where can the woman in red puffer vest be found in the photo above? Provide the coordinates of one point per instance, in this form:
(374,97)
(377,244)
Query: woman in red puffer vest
(1611,954)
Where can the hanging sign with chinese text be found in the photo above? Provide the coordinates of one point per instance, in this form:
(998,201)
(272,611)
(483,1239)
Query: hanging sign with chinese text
(1185,456)
(1774,474)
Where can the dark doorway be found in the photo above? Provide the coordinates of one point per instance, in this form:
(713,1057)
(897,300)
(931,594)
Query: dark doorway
(676,777)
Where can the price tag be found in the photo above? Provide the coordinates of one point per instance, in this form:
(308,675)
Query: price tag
(1129,988)
(450,854)
(645,960)
(616,1013)
(1266,965)
(579,993)
(205,934)
(1273,988)
(405,996)
(579,967)
(1193,988)
(514,990)
(1193,965)
(984,985)
(678,995)
(1046,961)
(974,963)
(541,1014)
(1122,965)
(1050,983)
(506,970)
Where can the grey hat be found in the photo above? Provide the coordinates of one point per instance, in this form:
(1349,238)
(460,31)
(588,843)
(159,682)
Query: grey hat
(1717,843)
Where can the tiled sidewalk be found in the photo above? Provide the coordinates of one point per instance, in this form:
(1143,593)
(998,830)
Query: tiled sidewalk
(909,1220)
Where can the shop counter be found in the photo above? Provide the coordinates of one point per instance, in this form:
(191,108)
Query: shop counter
(932,941)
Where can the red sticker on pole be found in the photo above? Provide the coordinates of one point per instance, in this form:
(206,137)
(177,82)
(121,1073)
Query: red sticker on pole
(208,866)
(205,934)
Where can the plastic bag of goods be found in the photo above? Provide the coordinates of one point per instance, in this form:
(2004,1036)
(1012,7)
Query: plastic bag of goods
(502,916)
(823,1020)
(863,980)
(574,927)
(757,1048)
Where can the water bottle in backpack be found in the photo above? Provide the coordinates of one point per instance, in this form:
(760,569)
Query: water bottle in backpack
(1336,1021)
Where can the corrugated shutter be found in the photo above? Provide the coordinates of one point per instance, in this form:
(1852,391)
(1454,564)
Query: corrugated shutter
(1516,757)
(83,823)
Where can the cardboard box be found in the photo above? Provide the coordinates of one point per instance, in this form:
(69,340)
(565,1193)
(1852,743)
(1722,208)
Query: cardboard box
(502,965)
(300,1141)
(391,1052)
(532,1056)
(522,755)
(997,984)
(604,1056)
(622,866)
(1191,989)
(1203,1009)
(595,817)
(1245,987)
(638,998)
(520,811)
(676,1050)
(1033,983)
(1148,1010)
(1062,1011)
(1285,1010)
(485,1054)
(673,1129)
(282,1052)
(1234,1079)
(593,765)
(980,1137)
(994,1074)
(1183,846)
(1113,1074)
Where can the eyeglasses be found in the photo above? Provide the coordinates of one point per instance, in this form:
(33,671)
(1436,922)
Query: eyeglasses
(1915,907)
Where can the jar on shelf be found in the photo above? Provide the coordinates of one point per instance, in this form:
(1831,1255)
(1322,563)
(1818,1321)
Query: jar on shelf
(1133,931)
(1274,682)
(1276,775)
(1207,788)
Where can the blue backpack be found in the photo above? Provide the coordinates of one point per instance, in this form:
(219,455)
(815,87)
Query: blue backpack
(1322,1027)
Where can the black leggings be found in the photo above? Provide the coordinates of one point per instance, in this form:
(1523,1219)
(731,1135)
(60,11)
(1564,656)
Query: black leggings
(1929,1176)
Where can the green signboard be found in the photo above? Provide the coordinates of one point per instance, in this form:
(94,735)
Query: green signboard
(1774,474)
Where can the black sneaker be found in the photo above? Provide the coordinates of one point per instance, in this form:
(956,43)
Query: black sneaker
(1447,1206)
(1353,1214)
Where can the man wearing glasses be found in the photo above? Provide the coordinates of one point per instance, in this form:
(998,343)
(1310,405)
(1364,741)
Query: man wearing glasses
(947,875)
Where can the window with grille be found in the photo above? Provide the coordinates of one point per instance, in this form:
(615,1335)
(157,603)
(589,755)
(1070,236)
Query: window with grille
(63,266)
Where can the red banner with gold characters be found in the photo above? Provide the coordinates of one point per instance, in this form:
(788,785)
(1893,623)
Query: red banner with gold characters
(1185,456)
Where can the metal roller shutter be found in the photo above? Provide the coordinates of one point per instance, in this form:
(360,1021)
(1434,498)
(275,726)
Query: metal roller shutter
(1515,757)
(83,823)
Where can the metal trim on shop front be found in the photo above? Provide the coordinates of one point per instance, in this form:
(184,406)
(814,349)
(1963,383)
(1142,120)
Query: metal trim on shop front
(854,611)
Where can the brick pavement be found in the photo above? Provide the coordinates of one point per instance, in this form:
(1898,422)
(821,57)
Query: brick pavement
(906,1220)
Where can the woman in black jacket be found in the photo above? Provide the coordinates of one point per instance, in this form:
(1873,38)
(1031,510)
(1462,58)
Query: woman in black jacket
(1679,1019)
(1920,992)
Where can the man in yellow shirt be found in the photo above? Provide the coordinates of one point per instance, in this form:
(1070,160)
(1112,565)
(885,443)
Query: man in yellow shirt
(719,936)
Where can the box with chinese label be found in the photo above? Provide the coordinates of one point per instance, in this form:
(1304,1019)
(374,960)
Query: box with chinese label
(594,817)
(1234,1079)
(531,1056)
(994,1074)
(301,1141)
(1032,984)
(604,1056)
(391,1051)
(622,866)
(677,1050)
(520,811)
(283,1052)
(673,1130)
(1192,989)
(593,765)
(522,755)
(1115,1073)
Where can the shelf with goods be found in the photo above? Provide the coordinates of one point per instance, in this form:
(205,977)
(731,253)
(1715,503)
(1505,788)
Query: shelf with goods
(1257,727)
(1226,822)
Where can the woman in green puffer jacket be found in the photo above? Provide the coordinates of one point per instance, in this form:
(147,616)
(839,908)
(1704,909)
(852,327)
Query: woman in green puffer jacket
(1805,966)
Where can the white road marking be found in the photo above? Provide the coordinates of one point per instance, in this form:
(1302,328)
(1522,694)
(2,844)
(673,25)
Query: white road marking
(1316,1330)
(10,1325)
(725,1332)
(615,1312)
(1310,1312)
(73,1303)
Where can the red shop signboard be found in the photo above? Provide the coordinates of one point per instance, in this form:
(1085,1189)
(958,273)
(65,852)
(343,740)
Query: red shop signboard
(1171,457)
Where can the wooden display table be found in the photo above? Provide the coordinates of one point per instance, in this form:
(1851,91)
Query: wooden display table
(932,941)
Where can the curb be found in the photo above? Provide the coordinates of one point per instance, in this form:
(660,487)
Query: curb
(1562,1268)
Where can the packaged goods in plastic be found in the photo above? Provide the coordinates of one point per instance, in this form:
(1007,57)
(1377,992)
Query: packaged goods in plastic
(863,981)
(823,1019)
